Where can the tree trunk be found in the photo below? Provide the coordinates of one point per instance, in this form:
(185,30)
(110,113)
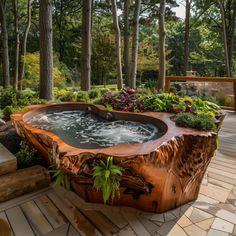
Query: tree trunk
(118,45)
(186,37)
(24,44)
(134,60)
(162,56)
(46,51)
(225,38)
(5,55)
(17,44)
(126,42)
(86,45)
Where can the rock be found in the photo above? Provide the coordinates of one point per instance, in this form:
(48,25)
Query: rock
(2,122)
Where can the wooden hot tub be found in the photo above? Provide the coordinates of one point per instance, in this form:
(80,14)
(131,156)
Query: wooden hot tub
(159,175)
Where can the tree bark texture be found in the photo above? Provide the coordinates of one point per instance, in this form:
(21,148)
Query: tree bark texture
(135,41)
(17,44)
(225,38)
(5,53)
(23,181)
(126,42)
(46,51)
(162,56)
(186,36)
(118,45)
(85,82)
(24,46)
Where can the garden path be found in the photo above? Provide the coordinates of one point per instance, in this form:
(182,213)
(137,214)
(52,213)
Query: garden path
(56,212)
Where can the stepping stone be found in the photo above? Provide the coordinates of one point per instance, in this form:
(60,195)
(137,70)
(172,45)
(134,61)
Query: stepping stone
(8,161)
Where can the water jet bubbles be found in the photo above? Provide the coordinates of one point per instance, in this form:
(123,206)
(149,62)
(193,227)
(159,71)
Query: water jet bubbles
(87,130)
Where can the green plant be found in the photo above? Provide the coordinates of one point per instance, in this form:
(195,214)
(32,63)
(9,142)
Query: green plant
(106,178)
(8,110)
(7,98)
(109,107)
(94,93)
(61,178)
(206,107)
(104,90)
(27,155)
(82,96)
(200,121)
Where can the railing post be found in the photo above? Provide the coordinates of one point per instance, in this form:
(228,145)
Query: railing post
(167,85)
(234,96)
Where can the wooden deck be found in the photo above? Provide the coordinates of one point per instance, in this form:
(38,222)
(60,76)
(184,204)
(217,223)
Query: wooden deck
(56,212)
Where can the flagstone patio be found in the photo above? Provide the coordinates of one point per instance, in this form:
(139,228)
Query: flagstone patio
(57,212)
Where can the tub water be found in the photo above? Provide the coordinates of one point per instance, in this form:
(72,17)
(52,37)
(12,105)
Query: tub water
(87,130)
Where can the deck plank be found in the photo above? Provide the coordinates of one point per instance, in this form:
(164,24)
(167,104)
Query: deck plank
(76,218)
(36,218)
(19,223)
(53,214)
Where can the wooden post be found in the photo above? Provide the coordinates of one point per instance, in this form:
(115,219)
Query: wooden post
(234,96)
(167,85)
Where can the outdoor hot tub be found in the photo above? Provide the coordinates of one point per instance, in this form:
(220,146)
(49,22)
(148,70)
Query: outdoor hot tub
(163,164)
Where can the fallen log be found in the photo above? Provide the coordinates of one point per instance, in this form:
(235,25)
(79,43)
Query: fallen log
(23,181)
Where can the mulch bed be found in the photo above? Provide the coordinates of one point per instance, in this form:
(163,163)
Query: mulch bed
(9,137)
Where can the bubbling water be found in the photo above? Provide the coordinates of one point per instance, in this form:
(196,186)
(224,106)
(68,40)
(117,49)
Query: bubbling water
(87,130)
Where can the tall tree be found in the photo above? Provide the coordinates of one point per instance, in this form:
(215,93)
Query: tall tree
(17,43)
(135,39)
(118,45)
(86,48)
(186,35)
(5,53)
(126,42)
(24,46)
(162,56)
(228,17)
(46,51)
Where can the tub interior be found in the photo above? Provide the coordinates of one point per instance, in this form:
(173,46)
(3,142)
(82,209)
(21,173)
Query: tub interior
(87,130)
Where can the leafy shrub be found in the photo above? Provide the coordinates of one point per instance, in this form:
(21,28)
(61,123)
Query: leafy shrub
(32,71)
(8,110)
(206,107)
(27,156)
(104,90)
(126,100)
(159,102)
(94,93)
(106,178)
(7,98)
(82,96)
(200,122)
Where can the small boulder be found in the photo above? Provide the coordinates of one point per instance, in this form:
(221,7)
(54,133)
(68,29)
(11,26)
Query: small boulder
(2,122)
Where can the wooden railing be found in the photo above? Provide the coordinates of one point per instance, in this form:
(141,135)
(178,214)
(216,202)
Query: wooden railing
(202,79)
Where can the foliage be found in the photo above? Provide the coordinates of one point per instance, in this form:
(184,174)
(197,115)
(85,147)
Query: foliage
(106,178)
(12,101)
(61,178)
(159,102)
(65,95)
(206,107)
(32,67)
(104,90)
(200,121)
(82,96)
(126,100)
(27,155)
(94,93)
(7,98)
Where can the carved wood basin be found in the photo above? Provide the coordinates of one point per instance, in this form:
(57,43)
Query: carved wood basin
(159,175)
